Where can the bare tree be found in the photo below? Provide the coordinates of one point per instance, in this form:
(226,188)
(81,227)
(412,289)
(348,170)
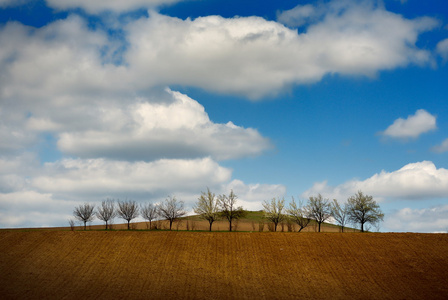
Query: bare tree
(207,207)
(84,213)
(149,212)
(274,211)
(363,209)
(340,214)
(128,210)
(299,214)
(319,209)
(228,208)
(171,209)
(72,224)
(107,211)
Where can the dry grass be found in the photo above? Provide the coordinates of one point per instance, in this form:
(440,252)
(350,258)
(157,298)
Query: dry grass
(221,265)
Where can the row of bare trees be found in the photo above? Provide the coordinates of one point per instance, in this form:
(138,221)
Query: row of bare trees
(171,209)
(359,209)
(213,207)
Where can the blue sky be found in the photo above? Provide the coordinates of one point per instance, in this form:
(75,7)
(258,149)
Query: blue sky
(143,99)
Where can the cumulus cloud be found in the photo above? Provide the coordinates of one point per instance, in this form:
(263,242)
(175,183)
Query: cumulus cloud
(434,219)
(421,180)
(98,6)
(442,49)
(412,127)
(443,147)
(178,129)
(255,57)
(61,63)
(60,79)
(251,56)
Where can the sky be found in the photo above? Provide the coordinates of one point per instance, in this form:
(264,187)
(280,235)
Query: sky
(145,99)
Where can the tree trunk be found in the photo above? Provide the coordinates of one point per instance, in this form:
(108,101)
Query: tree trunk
(362,227)
(230,225)
(129,224)
(275,227)
(171,224)
(85,225)
(211,225)
(319,227)
(106,225)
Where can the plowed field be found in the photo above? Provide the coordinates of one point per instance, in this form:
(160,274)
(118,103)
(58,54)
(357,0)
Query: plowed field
(220,265)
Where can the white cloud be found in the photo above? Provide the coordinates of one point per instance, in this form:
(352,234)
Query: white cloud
(66,61)
(57,80)
(57,64)
(45,195)
(101,176)
(434,219)
(421,180)
(251,196)
(442,49)
(297,16)
(34,209)
(255,57)
(413,126)
(117,6)
(441,148)
(13,136)
(179,128)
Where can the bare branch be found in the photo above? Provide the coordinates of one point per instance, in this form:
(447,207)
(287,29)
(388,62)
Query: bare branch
(128,210)
(107,211)
(229,210)
(84,213)
(149,212)
(273,211)
(171,209)
(208,207)
(340,214)
(319,209)
(299,214)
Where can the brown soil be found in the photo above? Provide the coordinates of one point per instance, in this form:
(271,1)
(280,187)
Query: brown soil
(221,265)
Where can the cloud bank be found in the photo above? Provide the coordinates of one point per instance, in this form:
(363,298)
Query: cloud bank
(249,56)
(148,131)
(32,194)
(432,219)
(420,180)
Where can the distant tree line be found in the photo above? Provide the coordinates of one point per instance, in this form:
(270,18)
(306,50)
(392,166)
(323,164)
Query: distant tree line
(171,209)
(359,210)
